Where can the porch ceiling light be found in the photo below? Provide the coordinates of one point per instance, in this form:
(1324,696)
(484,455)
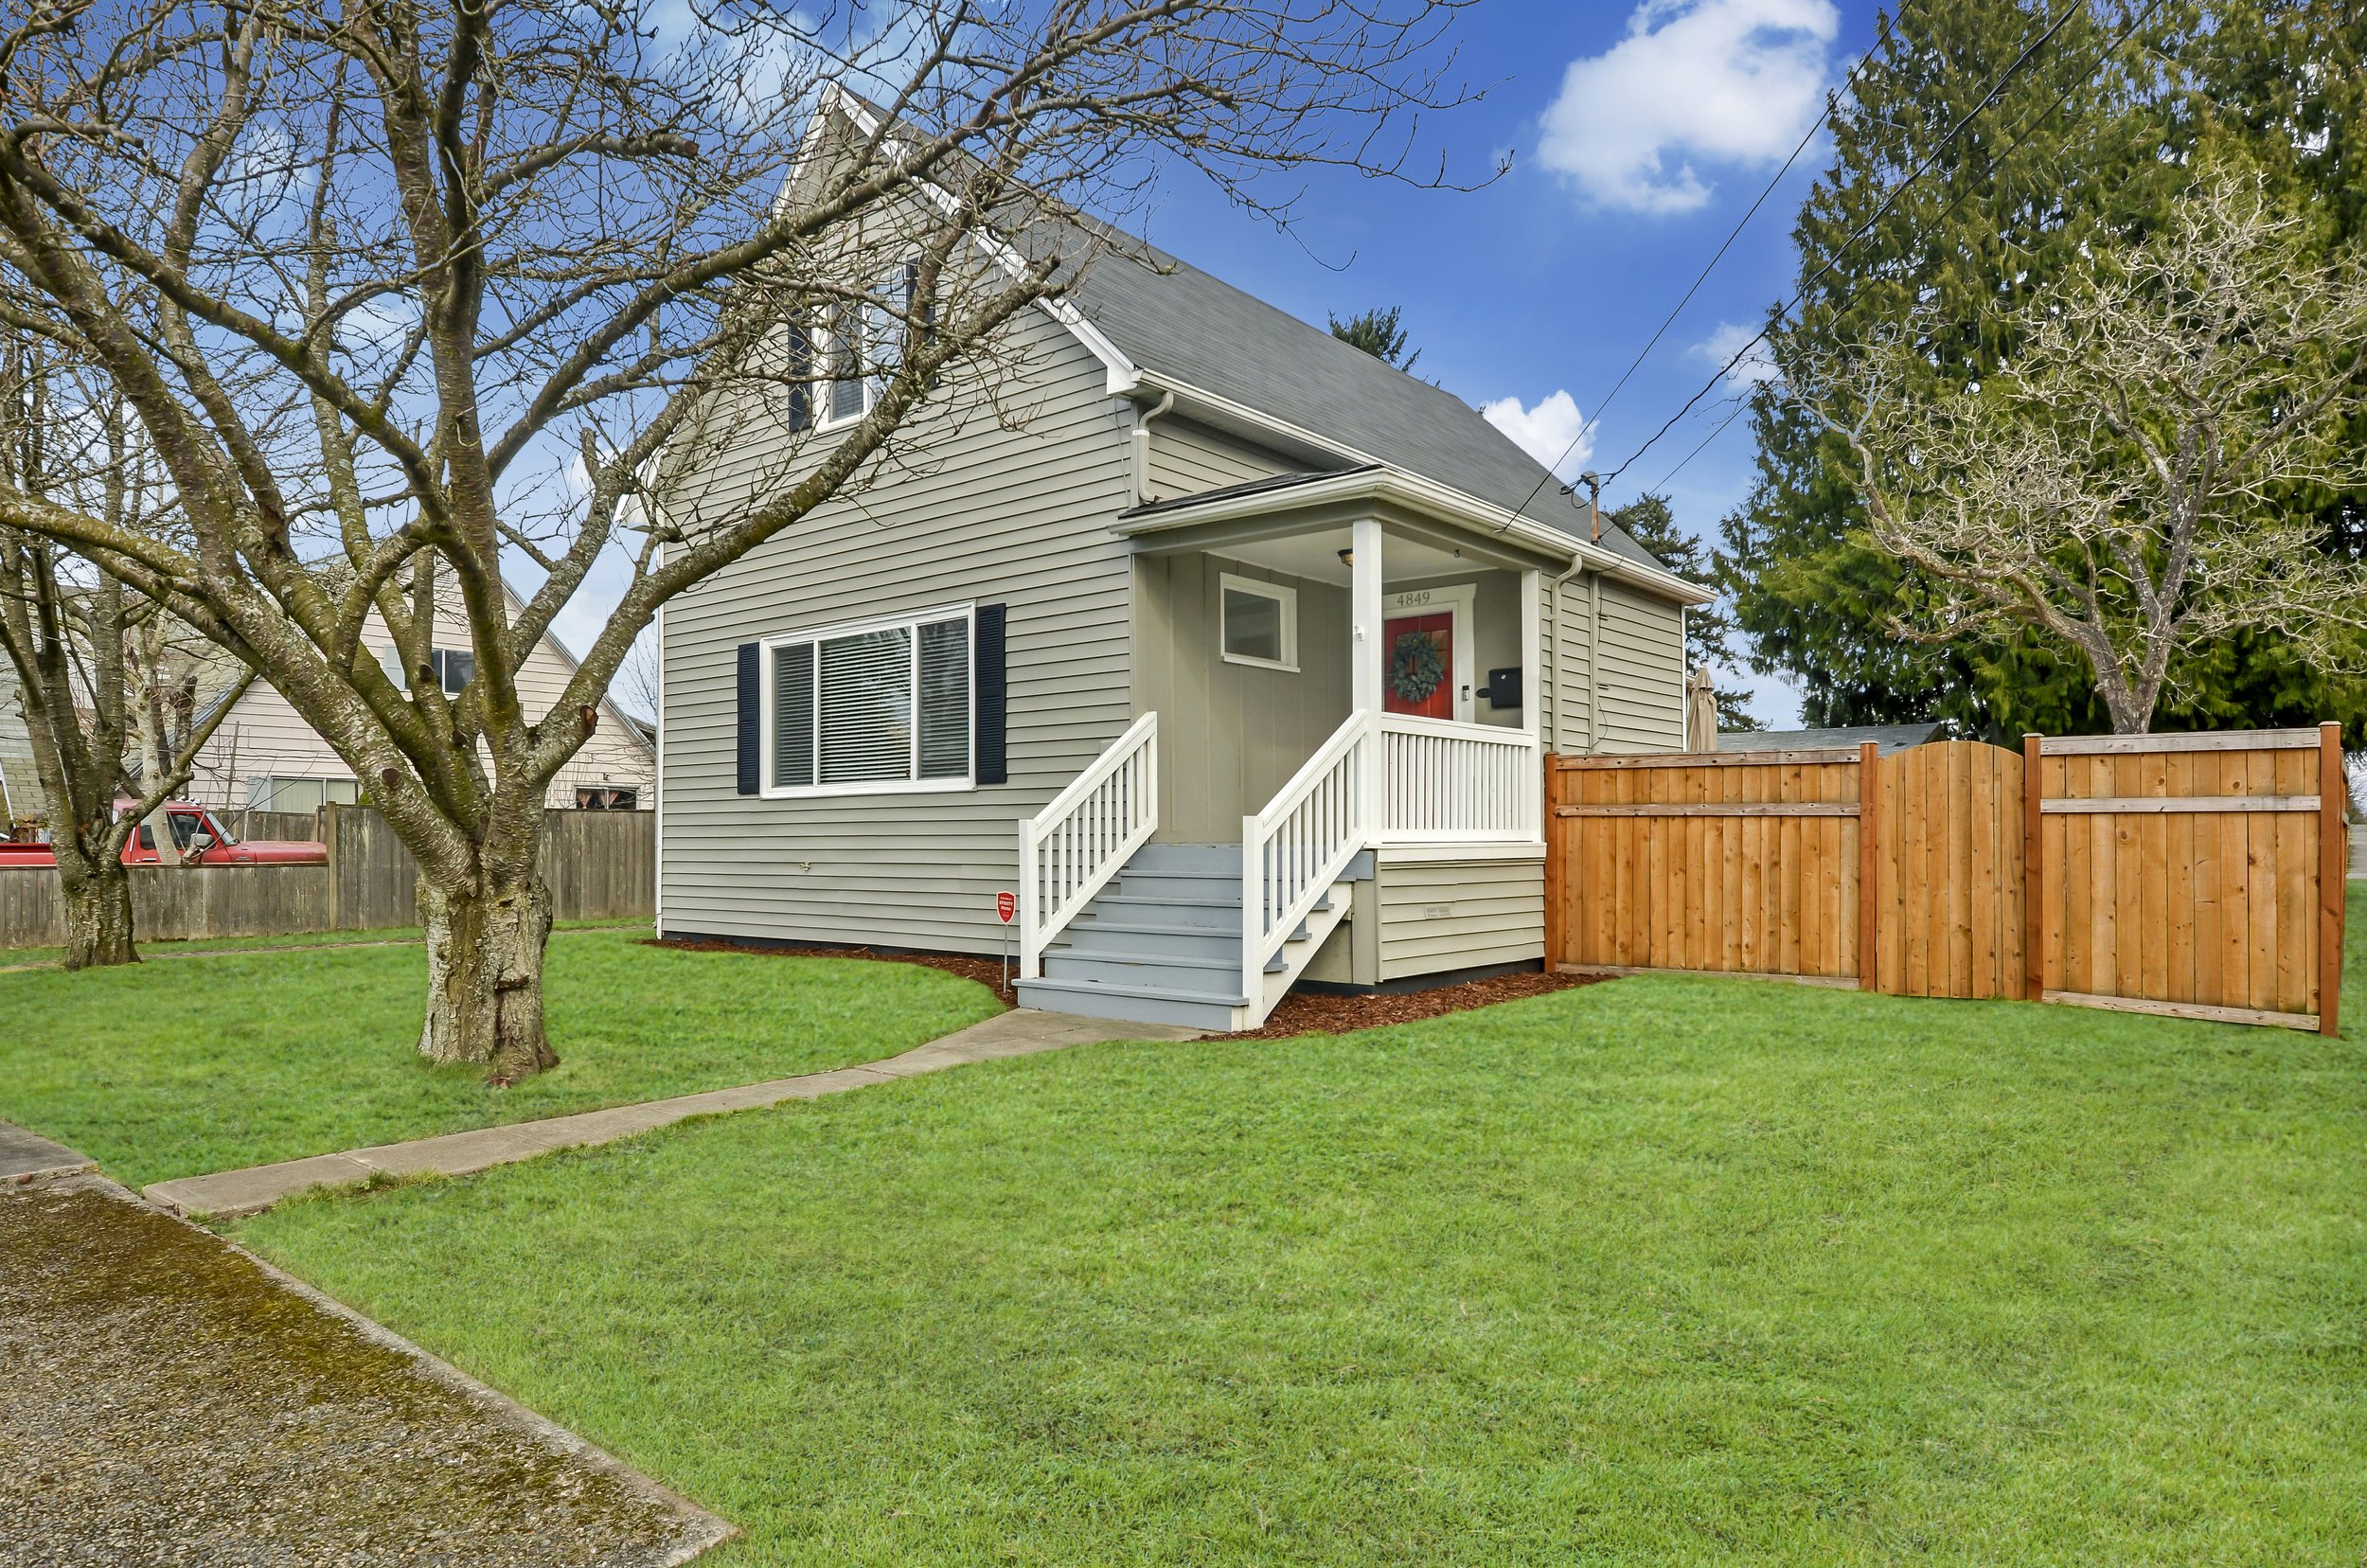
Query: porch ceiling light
(1348,557)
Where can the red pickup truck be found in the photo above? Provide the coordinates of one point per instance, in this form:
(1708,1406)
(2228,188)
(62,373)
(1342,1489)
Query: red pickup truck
(203,841)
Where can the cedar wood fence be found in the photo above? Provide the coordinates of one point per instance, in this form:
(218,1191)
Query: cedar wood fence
(598,864)
(2193,875)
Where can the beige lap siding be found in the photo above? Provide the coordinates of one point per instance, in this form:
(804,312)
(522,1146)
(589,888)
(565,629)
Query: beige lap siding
(1439,915)
(1016,517)
(263,735)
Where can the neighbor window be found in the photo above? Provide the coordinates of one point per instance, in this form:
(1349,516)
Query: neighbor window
(606,797)
(279,793)
(1261,623)
(881,705)
(453,666)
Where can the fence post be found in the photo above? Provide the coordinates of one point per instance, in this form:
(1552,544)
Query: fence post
(1869,857)
(2032,871)
(1549,830)
(2333,847)
(330,836)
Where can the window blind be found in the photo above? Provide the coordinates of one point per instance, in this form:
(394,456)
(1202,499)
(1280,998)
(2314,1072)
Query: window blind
(866,685)
(945,700)
(792,716)
(890,705)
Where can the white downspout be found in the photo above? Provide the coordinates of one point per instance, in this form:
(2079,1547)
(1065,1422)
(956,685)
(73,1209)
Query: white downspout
(1142,446)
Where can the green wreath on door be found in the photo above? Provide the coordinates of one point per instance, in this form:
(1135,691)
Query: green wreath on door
(1417,662)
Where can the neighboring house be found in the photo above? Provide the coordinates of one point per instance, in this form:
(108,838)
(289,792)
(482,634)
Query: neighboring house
(1228,566)
(19,788)
(1886,738)
(265,758)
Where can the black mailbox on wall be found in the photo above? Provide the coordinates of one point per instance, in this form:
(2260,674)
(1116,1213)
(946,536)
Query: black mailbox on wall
(1504,688)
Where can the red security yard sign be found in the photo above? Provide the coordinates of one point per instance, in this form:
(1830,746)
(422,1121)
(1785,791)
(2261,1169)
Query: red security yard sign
(1007,907)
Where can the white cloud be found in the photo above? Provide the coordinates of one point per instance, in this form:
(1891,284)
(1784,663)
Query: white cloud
(1549,432)
(1695,84)
(1756,366)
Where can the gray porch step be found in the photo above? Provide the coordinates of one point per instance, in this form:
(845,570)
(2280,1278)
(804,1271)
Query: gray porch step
(1222,860)
(1191,912)
(1132,1004)
(1159,970)
(1209,886)
(1088,934)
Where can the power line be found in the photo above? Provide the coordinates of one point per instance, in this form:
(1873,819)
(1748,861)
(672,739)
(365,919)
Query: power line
(2028,53)
(1849,84)
(2018,134)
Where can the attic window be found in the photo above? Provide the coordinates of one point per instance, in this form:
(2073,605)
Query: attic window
(860,347)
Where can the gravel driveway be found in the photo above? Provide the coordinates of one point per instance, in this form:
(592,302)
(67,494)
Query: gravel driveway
(165,1399)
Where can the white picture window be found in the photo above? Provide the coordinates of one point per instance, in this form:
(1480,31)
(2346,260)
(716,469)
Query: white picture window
(1261,622)
(872,708)
(280,792)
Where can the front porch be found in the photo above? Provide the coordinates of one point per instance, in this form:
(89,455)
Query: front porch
(1322,687)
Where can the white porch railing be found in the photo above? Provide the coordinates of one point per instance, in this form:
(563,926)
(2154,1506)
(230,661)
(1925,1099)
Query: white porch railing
(1293,850)
(1069,850)
(1451,783)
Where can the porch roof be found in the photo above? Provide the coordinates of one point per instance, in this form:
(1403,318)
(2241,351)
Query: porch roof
(1377,485)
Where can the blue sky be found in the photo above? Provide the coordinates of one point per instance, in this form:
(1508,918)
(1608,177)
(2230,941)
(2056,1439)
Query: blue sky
(1638,135)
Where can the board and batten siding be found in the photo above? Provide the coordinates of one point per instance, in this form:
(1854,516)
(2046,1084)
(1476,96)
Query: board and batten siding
(1018,517)
(1440,914)
(1231,734)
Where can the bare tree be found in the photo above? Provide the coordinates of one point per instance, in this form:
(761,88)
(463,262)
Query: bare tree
(442,288)
(97,668)
(2126,483)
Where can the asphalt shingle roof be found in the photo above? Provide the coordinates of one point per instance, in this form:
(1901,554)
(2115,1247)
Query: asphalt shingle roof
(1170,317)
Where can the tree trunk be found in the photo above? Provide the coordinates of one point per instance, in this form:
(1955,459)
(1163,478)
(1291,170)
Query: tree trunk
(485,949)
(97,911)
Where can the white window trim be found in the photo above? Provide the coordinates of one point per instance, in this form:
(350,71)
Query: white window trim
(965,614)
(825,392)
(1281,593)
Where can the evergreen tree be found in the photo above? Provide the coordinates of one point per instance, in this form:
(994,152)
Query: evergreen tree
(2097,134)
(1377,333)
(1709,627)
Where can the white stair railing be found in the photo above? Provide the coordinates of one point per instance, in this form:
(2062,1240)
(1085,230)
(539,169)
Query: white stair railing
(1455,783)
(1069,850)
(1293,850)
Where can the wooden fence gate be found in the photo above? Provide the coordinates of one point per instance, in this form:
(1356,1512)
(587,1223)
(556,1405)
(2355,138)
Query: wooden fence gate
(2197,875)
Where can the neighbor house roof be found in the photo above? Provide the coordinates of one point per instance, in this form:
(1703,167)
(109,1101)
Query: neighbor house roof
(1886,738)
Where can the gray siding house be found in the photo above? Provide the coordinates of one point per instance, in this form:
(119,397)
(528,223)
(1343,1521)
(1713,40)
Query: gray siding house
(1235,657)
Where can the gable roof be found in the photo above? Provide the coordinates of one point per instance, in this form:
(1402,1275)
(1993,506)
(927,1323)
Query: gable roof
(1170,317)
(1164,315)
(1886,738)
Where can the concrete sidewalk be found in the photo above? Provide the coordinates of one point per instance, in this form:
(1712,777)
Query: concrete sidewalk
(1023,1031)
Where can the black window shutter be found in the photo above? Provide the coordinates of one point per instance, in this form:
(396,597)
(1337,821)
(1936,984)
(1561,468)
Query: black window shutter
(993,694)
(800,372)
(751,700)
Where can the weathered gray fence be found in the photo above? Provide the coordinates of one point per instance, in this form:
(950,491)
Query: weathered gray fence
(601,866)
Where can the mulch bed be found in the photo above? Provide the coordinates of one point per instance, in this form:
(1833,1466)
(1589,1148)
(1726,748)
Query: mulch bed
(1301,1012)
(1318,1012)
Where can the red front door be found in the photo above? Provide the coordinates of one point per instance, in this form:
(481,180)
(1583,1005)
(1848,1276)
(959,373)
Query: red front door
(1417,665)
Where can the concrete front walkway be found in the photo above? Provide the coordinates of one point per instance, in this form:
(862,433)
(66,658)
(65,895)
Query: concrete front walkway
(1023,1031)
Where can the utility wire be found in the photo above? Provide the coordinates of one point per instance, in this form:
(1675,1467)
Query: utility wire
(2005,78)
(1849,84)
(2020,134)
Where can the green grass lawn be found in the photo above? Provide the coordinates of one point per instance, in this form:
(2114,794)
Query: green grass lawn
(17,958)
(175,1069)
(1662,1271)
